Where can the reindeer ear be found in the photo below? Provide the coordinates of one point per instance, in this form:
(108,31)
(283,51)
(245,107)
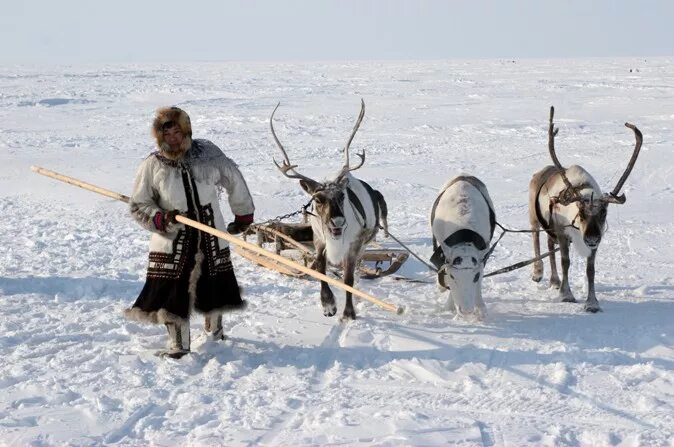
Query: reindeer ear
(309,185)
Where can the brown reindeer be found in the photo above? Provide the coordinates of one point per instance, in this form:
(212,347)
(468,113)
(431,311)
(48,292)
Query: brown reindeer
(569,205)
(346,215)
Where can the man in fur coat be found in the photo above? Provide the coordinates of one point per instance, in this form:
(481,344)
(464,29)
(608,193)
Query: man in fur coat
(188,269)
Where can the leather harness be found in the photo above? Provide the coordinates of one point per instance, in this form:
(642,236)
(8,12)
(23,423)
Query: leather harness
(545,176)
(464,235)
(358,205)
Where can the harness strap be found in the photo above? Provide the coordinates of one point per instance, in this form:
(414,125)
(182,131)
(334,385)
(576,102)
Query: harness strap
(479,186)
(539,214)
(374,199)
(551,170)
(464,236)
(357,204)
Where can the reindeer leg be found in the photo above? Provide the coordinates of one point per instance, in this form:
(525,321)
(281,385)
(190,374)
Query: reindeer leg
(481,312)
(349,269)
(565,291)
(327,297)
(538,265)
(554,277)
(383,209)
(451,304)
(591,305)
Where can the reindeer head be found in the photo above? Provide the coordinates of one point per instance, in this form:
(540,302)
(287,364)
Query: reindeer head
(591,220)
(328,204)
(463,276)
(591,213)
(328,197)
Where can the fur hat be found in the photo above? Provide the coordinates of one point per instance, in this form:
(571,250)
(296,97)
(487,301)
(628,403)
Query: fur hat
(166,115)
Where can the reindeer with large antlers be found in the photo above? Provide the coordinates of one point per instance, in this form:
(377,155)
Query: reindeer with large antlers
(346,216)
(569,205)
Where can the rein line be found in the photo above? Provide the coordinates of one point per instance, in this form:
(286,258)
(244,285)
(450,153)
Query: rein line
(304,210)
(430,267)
(509,268)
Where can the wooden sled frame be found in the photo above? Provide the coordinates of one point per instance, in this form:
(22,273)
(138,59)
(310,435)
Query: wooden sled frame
(295,241)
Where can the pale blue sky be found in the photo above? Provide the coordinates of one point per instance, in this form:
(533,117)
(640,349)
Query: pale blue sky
(76,31)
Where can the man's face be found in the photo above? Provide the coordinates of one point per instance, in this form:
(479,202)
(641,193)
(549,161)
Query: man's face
(173,136)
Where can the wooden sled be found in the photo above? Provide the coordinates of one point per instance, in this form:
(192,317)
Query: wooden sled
(295,241)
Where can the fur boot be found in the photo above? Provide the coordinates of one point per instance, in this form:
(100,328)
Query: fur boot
(213,327)
(179,340)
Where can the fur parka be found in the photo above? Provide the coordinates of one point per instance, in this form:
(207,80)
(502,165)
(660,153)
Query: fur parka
(192,186)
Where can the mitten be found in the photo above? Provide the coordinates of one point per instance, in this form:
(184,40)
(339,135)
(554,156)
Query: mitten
(240,224)
(162,219)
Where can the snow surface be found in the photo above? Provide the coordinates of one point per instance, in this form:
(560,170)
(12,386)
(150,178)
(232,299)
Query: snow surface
(536,372)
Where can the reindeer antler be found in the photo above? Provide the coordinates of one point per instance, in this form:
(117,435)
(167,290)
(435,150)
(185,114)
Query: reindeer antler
(346,167)
(613,196)
(570,195)
(287,166)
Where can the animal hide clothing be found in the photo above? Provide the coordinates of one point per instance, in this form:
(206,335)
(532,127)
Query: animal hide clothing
(187,269)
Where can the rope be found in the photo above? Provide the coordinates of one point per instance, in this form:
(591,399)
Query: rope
(430,267)
(486,257)
(505,230)
(484,260)
(508,230)
(521,264)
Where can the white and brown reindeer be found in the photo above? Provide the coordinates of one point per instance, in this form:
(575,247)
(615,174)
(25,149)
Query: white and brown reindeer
(462,223)
(570,206)
(345,217)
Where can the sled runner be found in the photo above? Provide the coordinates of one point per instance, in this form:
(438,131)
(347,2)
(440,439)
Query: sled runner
(295,241)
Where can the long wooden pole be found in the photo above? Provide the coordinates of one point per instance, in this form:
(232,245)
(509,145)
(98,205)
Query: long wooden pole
(229,238)
(81,184)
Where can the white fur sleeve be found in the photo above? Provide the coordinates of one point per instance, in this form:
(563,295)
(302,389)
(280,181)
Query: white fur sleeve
(143,203)
(238,195)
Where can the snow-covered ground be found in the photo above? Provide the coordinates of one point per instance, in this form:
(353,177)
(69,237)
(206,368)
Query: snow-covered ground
(536,372)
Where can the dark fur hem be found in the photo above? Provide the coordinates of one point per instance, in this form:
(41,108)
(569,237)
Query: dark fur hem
(225,309)
(160,316)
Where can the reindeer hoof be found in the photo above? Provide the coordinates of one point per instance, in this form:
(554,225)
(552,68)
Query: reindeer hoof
(348,315)
(569,299)
(555,283)
(592,308)
(480,313)
(536,277)
(328,303)
(329,311)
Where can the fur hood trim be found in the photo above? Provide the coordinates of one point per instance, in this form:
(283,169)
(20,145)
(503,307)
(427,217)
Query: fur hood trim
(177,115)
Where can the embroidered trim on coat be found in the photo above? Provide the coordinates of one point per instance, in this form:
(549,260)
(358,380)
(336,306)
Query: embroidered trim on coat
(219,260)
(170,265)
